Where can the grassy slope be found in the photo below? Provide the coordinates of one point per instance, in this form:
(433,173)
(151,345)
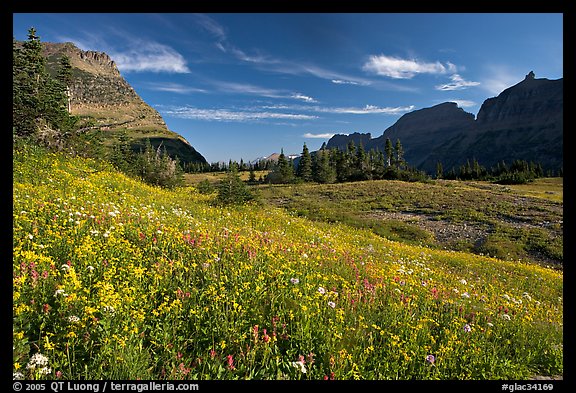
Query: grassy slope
(510,222)
(118,280)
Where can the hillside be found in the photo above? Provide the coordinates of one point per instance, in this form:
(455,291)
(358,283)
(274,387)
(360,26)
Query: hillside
(114,279)
(524,122)
(100,92)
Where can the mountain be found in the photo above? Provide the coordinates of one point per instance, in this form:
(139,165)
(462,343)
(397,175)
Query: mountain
(523,122)
(99,92)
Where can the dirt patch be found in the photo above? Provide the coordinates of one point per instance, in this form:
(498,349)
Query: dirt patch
(445,232)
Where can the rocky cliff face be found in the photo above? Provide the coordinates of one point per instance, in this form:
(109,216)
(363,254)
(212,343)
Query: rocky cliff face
(99,92)
(524,122)
(341,141)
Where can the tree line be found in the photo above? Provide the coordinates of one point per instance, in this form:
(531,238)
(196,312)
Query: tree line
(351,164)
(517,172)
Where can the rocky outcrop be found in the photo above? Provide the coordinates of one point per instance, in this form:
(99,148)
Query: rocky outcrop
(523,122)
(341,141)
(99,92)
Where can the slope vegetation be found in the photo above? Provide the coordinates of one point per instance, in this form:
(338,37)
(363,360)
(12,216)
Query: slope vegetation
(115,279)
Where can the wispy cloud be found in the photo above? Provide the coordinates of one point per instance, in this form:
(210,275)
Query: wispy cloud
(150,56)
(318,136)
(499,78)
(227,115)
(366,110)
(298,96)
(344,82)
(464,103)
(173,88)
(133,54)
(210,25)
(459,102)
(246,88)
(458,83)
(398,68)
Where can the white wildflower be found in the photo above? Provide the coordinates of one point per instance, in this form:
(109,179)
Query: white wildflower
(17,375)
(37,360)
(463,282)
(332,304)
(60,292)
(506,317)
(299,364)
(294,280)
(465,295)
(73,319)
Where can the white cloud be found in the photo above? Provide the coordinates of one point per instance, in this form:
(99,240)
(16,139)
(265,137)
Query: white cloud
(173,88)
(500,78)
(298,96)
(458,83)
(366,110)
(344,82)
(150,56)
(228,115)
(464,103)
(133,54)
(398,68)
(318,136)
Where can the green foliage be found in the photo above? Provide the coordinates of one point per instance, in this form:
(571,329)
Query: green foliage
(283,171)
(205,187)
(39,102)
(304,170)
(156,167)
(232,190)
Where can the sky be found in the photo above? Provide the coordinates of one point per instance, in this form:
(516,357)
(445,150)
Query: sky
(246,85)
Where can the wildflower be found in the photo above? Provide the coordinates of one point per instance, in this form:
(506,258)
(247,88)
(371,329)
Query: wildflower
(265,336)
(332,304)
(230,362)
(463,282)
(305,256)
(527,296)
(73,319)
(506,297)
(490,324)
(60,292)
(37,360)
(455,290)
(467,328)
(294,280)
(65,267)
(58,374)
(17,375)
(300,364)
(430,359)
(321,290)
(506,317)
(30,236)
(465,295)
(109,309)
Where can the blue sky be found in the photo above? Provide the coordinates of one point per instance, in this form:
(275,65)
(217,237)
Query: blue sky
(246,85)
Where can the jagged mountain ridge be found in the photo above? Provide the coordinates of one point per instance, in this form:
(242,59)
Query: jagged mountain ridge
(525,121)
(99,92)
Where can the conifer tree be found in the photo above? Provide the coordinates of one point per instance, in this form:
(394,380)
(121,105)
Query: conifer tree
(304,170)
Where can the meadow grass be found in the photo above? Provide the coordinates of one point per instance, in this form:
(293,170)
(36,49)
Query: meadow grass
(115,279)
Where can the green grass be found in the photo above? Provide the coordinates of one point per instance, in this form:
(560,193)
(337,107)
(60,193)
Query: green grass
(518,222)
(115,279)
